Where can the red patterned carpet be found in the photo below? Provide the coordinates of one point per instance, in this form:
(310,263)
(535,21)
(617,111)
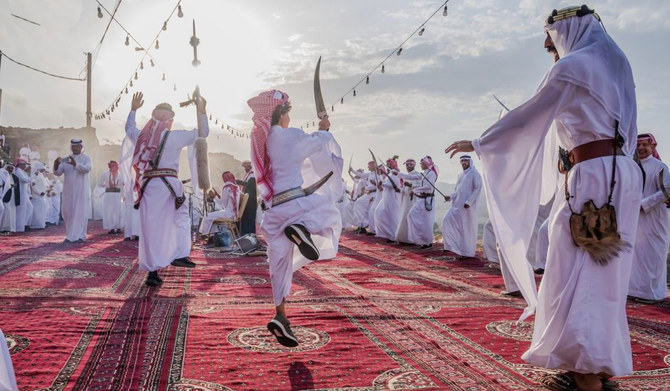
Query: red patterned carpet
(78,317)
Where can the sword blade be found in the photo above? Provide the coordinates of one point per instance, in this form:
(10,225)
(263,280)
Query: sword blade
(318,97)
(501,104)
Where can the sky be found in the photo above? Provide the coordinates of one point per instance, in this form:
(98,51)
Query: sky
(437,91)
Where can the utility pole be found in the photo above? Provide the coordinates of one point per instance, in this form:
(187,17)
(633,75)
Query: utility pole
(89,70)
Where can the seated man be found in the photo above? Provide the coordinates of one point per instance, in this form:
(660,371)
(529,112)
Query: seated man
(226,203)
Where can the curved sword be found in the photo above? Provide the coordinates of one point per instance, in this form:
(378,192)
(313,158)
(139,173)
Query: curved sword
(501,104)
(318,97)
(395,187)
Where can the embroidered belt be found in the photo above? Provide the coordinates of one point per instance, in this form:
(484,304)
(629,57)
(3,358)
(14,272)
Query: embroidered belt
(292,194)
(425,195)
(593,150)
(370,191)
(159,172)
(112,190)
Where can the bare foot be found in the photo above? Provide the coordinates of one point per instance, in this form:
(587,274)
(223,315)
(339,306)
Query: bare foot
(587,381)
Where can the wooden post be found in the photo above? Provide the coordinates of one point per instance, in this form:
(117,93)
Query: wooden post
(89,66)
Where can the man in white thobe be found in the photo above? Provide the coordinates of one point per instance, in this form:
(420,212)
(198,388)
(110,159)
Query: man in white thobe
(489,243)
(421,216)
(284,158)
(76,196)
(131,216)
(648,277)
(53,216)
(387,213)
(112,206)
(226,203)
(10,200)
(411,180)
(24,211)
(5,187)
(459,226)
(39,187)
(165,229)
(588,96)
(364,203)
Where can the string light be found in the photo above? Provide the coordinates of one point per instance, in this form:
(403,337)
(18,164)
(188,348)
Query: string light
(383,69)
(354,92)
(157,47)
(179,12)
(151,61)
(126,90)
(141,64)
(135,76)
(165,26)
(99,13)
(399,51)
(367,80)
(127,40)
(131,83)
(342,100)
(163,76)
(421,31)
(446,11)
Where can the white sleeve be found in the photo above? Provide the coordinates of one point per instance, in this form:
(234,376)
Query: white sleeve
(131,129)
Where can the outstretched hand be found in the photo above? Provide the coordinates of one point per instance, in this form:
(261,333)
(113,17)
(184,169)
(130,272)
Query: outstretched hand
(137,102)
(459,146)
(324,124)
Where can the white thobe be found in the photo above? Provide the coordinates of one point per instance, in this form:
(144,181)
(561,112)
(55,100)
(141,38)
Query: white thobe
(364,203)
(387,213)
(312,157)
(489,243)
(421,216)
(53,216)
(372,224)
(7,376)
(413,179)
(342,204)
(24,210)
(225,206)
(165,232)
(5,186)
(40,201)
(580,321)
(459,226)
(112,206)
(8,222)
(76,196)
(649,274)
(542,245)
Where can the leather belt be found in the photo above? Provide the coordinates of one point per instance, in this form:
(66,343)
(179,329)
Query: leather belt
(425,195)
(593,150)
(292,194)
(159,172)
(112,190)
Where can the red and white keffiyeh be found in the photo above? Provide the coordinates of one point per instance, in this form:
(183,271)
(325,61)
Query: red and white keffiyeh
(149,140)
(652,141)
(428,161)
(263,105)
(230,182)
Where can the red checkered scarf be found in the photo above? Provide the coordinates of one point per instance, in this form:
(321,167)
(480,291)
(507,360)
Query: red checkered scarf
(230,181)
(148,142)
(652,141)
(263,105)
(428,161)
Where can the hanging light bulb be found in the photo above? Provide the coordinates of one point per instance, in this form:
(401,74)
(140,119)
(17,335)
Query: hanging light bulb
(157,47)
(383,69)
(421,31)
(151,61)
(342,100)
(367,80)
(446,11)
(174,88)
(354,92)
(131,83)
(135,75)
(141,64)
(163,76)
(99,13)
(179,11)
(313,123)
(399,51)
(332,108)
(127,40)
(126,90)
(112,109)
(165,26)
(216,122)
(210,117)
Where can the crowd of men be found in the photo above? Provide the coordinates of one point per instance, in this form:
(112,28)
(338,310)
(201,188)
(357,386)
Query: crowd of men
(607,238)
